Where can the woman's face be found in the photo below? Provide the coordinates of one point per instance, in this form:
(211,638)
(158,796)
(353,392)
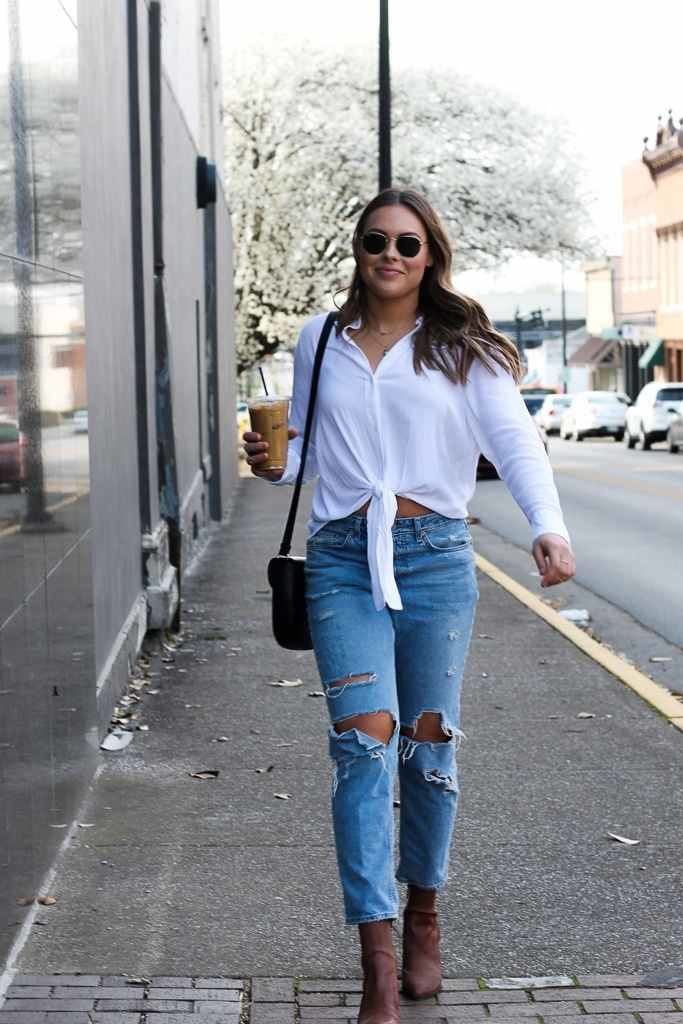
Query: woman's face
(389,275)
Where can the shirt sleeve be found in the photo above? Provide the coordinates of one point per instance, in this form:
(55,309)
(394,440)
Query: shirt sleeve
(304,357)
(507,435)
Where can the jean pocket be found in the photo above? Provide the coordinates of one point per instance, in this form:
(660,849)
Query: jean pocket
(447,536)
(330,537)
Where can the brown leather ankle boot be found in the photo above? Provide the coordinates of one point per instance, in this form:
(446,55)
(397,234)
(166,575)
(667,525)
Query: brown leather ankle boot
(379,1003)
(421,974)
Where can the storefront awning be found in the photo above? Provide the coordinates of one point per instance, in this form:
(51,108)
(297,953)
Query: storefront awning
(653,355)
(594,352)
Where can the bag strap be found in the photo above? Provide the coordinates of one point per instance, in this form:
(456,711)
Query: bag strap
(320,352)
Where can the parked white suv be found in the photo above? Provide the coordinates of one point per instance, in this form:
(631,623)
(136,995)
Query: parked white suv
(648,419)
(594,413)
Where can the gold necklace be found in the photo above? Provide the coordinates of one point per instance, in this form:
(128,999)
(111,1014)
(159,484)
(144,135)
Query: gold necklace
(378,330)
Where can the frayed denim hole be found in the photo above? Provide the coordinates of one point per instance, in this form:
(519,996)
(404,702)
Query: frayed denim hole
(351,745)
(336,687)
(448,782)
(407,744)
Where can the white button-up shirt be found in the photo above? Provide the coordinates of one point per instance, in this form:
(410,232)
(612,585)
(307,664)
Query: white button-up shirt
(395,432)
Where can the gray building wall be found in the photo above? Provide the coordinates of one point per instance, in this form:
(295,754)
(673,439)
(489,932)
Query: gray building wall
(109,310)
(90,555)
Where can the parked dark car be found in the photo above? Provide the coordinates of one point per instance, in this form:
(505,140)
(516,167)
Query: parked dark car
(12,455)
(674,435)
(533,402)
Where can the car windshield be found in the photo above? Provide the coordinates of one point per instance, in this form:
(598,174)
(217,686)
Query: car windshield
(8,433)
(670,395)
(533,402)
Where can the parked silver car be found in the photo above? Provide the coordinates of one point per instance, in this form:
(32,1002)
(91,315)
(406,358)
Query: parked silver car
(674,435)
(648,419)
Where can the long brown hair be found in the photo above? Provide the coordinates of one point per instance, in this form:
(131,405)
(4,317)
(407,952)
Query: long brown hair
(455,329)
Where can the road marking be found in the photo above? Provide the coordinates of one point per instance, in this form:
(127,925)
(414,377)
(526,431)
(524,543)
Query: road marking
(607,478)
(8,531)
(651,692)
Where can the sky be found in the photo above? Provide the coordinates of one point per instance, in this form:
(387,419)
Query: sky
(606,67)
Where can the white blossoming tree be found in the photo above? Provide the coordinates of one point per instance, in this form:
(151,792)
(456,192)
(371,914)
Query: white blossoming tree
(301,159)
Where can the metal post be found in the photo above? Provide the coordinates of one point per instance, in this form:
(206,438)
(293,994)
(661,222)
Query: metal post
(384,98)
(518,331)
(28,385)
(564,329)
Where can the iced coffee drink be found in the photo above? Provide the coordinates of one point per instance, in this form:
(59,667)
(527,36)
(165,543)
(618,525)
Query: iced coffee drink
(269,418)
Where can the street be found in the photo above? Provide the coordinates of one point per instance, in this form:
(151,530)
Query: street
(623,511)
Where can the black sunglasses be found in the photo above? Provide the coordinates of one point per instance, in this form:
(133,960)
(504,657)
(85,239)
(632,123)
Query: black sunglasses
(375,242)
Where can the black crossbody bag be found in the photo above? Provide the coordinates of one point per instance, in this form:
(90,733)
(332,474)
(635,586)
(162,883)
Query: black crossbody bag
(285,571)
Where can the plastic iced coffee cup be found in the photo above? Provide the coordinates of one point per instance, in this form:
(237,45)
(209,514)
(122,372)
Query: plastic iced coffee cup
(269,415)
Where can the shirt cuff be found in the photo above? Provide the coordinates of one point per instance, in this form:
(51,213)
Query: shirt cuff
(549,522)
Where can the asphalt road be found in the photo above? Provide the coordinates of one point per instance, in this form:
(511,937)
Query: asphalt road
(624,511)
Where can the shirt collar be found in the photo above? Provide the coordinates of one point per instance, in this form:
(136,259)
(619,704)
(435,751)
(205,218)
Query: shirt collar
(358,323)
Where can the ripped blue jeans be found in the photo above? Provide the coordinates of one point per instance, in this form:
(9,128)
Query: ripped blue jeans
(408,662)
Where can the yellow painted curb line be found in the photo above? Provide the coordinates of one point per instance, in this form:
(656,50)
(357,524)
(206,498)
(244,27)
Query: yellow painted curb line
(652,692)
(9,531)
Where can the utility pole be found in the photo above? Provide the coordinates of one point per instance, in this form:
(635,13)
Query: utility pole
(384,98)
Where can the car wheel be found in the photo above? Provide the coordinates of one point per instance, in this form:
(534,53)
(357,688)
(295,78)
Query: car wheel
(673,447)
(578,436)
(629,439)
(644,442)
(619,436)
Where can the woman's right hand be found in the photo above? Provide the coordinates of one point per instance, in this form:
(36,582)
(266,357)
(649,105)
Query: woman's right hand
(257,452)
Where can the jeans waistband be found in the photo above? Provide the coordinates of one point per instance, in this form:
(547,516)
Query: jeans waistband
(402,524)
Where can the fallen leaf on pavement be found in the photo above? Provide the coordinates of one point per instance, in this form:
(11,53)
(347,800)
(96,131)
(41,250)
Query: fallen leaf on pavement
(577,615)
(287,682)
(24,901)
(316,693)
(660,658)
(623,839)
(585,714)
(86,824)
(116,740)
(281,796)
(47,901)
(206,773)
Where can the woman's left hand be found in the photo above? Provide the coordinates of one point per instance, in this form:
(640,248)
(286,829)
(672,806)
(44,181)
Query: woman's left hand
(554,558)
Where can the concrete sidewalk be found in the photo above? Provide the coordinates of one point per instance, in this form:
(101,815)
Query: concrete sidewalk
(222,881)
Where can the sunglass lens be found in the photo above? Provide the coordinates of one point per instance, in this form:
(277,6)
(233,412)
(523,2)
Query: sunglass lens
(374,242)
(408,245)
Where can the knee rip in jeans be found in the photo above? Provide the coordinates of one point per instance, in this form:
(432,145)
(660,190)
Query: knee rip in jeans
(431,731)
(336,687)
(358,737)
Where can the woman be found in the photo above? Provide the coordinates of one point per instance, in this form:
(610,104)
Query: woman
(415,382)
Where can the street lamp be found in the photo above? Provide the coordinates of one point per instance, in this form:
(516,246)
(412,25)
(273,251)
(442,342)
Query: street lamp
(384,98)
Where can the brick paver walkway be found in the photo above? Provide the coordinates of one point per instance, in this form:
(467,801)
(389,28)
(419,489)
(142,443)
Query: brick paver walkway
(102,999)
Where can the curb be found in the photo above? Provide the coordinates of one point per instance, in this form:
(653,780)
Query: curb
(652,693)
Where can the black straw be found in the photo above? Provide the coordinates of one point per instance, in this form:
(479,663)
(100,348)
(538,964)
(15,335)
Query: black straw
(265,386)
